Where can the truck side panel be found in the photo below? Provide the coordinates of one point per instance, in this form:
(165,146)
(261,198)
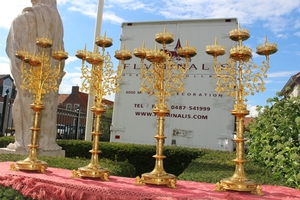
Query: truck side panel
(199,116)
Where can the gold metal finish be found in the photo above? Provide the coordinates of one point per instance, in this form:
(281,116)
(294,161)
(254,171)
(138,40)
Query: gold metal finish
(163,79)
(164,38)
(38,78)
(100,80)
(238,78)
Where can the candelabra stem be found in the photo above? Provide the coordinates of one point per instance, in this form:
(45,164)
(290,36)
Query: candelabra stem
(158,175)
(93,169)
(239,181)
(31,162)
(159,167)
(240,96)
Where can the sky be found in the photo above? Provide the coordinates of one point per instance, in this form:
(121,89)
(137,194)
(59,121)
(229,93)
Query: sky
(277,19)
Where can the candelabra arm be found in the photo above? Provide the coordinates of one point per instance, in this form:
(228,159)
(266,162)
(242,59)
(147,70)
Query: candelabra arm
(142,63)
(163,84)
(186,67)
(58,69)
(103,50)
(82,63)
(119,71)
(267,63)
(215,64)
(240,89)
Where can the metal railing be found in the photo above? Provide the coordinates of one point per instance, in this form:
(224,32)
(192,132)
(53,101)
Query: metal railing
(71,125)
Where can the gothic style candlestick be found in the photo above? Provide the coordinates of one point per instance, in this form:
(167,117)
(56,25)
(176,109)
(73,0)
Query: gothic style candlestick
(163,79)
(39,78)
(238,78)
(100,80)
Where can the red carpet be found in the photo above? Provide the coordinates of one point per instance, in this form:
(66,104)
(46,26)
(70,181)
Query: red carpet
(56,184)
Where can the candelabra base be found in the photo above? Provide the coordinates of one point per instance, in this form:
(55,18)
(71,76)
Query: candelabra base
(148,178)
(86,172)
(30,165)
(241,186)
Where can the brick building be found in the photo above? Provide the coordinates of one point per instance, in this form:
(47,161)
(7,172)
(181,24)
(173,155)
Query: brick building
(77,100)
(7,87)
(7,84)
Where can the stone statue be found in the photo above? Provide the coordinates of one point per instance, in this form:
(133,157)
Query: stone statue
(40,20)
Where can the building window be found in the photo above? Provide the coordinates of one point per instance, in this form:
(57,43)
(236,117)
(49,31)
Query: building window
(69,106)
(76,106)
(7,85)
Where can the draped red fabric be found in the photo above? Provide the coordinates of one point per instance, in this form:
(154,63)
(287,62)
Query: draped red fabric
(56,184)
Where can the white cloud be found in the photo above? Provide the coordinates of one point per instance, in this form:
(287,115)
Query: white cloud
(73,79)
(274,13)
(85,9)
(63,1)
(4,65)
(253,111)
(10,10)
(282,74)
(112,17)
(71,59)
(297,24)
(280,35)
(268,81)
(297,33)
(69,80)
(4,68)
(4,59)
(247,12)
(110,97)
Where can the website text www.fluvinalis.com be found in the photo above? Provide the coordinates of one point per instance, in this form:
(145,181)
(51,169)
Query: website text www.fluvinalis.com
(173,115)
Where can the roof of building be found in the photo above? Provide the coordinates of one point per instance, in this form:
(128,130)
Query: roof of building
(6,76)
(61,98)
(247,120)
(83,97)
(293,80)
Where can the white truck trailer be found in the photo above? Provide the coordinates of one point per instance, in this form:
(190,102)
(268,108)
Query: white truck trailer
(199,117)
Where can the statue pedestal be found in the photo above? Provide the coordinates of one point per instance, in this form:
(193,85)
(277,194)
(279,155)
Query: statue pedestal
(60,153)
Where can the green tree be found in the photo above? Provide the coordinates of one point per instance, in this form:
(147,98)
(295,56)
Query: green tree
(109,112)
(275,136)
(106,121)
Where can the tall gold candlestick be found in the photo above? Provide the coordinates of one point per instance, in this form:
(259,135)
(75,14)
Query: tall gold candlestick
(100,80)
(164,79)
(39,78)
(237,79)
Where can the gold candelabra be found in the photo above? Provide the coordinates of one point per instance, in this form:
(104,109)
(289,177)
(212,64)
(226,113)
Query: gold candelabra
(39,78)
(238,78)
(163,79)
(100,80)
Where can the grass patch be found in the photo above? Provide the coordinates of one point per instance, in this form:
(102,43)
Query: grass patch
(124,168)
(217,165)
